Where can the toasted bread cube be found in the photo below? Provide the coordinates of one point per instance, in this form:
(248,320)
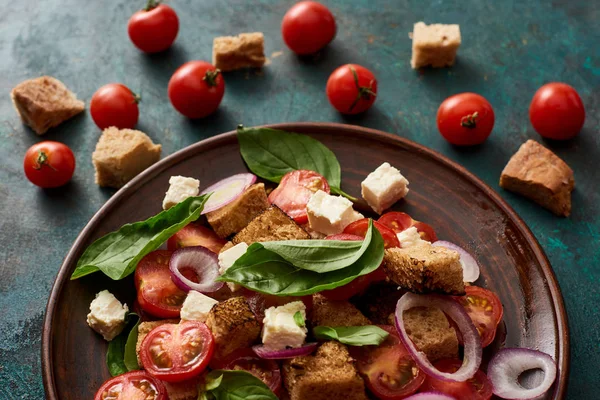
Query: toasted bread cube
(247,50)
(327,312)
(233,326)
(273,224)
(425,268)
(378,301)
(44,103)
(144,329)
(538,174)
(236,215)
(434,45)
(329,374)
(122,154)
(186,390)
(226,247)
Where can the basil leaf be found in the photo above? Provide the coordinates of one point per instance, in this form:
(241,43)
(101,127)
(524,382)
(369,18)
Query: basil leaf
(118,253)
(235,385)
(130,354)
(369,335)
(116,353)
(299,319)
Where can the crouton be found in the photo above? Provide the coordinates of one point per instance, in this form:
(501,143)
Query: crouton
(272,224)
(226,247)
(425,268)
(44,103)
(233,326)
(336,313)
(378,302)
(144,329)
(538,174)
(122,154)
(329,374)
(246,50)
(435,45)
(186,390)
(236,215)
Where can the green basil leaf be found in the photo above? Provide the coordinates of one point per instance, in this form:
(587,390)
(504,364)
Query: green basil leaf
(340,192)
(118,253)
(130,354)
(299,319)
(235,385)
(119,352)
(369,335)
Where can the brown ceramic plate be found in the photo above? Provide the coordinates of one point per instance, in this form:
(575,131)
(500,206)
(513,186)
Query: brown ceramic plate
(460,207)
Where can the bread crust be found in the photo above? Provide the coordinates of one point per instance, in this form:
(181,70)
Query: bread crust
(272,224)
(327,312)
(246,50)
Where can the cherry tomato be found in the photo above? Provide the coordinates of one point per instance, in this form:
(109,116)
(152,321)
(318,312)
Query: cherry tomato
(196,235)
(360,227)
(465,119)
(399,221)
(389,371)
(351,89)
(115,105)
(132,385)
(556,111)
(485,309)
(259,302)
(307,27)
(154,28)
(425,231)
(295,190)
(156,293)
(177,352)
(476,388)
(196,89)
(49,164)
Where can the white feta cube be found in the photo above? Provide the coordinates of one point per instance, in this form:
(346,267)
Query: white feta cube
(180,189)
(280,329)
(329,214)
(410,237)
(196,306)
(383,187)
(228,258)
(107,315)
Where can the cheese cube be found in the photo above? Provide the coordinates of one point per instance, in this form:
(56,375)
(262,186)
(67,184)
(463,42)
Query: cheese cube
(180,189)
(228,257)
(107,315)
(330,214)
(280,329)
(410,237)
(434,45)
(196,306)
(383,187)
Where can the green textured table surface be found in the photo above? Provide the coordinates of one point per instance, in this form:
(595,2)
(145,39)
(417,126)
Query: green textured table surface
(509,49)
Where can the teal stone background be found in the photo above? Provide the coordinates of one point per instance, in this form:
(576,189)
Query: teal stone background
(509,49)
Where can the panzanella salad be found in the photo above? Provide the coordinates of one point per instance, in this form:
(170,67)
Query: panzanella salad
(273,286)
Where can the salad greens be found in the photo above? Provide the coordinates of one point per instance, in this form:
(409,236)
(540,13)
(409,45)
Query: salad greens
(352,335)
(234,385)
(299,319)
(121,356)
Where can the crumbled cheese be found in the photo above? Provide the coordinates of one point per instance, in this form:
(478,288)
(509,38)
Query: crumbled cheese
(383,187)
(180,189)
(107,315)
(196,306)
(410,237)
(228,258)
(330,214)
(280,330)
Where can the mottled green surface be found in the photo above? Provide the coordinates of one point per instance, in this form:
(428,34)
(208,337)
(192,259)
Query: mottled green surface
(509,49)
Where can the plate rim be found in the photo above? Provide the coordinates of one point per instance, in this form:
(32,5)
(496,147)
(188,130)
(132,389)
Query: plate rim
(127,190)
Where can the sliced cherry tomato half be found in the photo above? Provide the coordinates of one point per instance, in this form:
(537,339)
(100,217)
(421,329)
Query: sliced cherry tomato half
(196,235)
(399,221)
(259,302)
(425,231)
(132,386)
(156,293)
(177,352)
(485,309)
(360,227)
(476,388)
(295,190)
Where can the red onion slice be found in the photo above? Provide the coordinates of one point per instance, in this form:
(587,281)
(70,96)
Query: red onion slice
(202,262)
(268,354)
(430,396)
(469,264)
(506,366)
(471,339)
(227,190)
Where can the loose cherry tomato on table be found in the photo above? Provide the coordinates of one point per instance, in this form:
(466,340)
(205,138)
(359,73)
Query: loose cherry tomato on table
(49,164)
(360,227)
(132,385)
(154,28)
(196,235)
(295,190)
(115,105)
(351,89)
(485,309)
(556,111)
(476,388)
(196,89)
(399,221)
(465,119)
(307,27)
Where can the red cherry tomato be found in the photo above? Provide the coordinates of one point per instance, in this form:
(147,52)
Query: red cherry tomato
(295,190)
(485,309)
(425,231)
(351,89)
(307,27)
(49,164)
(556,111)
(177,352)
(196,235)
(132,385)
(115,105)
(476,388)
(196,89)
(360,227)
(399,221)
(154,28)
(465,119)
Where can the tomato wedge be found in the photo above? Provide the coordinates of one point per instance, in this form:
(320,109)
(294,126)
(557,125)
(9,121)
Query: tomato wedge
(177,352)
(476,388)
(196,235)
(133,385)
(485,309)
(399,221)
(295,190)
(360,227)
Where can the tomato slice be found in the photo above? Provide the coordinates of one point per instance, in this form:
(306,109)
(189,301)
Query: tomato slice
(295,190)
(389,371)
(399,221)
(177,352)
(485,309)
(360,227)
(135,385)
(259,302)
(196,235)
(156,293)
(476,388)
(426,231)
